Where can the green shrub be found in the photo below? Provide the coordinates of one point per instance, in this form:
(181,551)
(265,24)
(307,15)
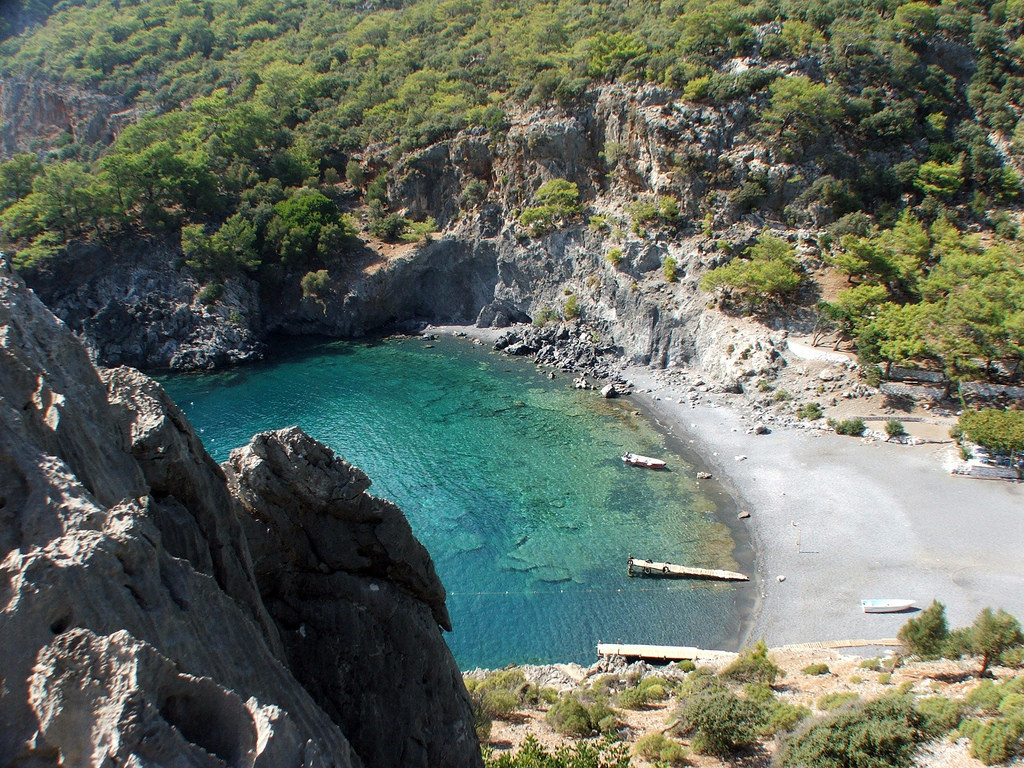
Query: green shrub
(997,741)
(895,428)
(926,635)
(809,411)
(720,722)
(885,678)
(315,284)
(614,257)
(781,396)
(873,664)
(939,715)
(986,697)
(209,294)
(832,701)
(389,227)
(1012,705)
(769,274)
(816,669)
(957,644)
(544,316)
(377,189)
(605,685)
(498,703)
(752,666)
(584,754)
(1014,657)
(994,632)
(571,716)
(851,427)
(670,268)
(572,307)
(558,200)
(632,698)
(657,748)
(686,665)
(876,734)
(785,717)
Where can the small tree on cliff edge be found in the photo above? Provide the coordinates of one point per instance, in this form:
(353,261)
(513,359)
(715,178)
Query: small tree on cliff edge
(992,633)
(926,635)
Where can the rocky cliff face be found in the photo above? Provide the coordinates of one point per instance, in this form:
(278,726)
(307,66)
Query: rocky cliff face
(131,306)
(38,113)
(620,145)
(155,614)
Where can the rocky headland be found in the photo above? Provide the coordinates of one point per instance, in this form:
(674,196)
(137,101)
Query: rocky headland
(159,609)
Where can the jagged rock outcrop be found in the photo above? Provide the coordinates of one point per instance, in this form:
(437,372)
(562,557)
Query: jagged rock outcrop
(362,587)
(36,113)
(134,628)
(134,307)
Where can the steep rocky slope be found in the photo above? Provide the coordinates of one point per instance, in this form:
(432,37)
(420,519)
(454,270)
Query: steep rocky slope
(131,306)
(155,613)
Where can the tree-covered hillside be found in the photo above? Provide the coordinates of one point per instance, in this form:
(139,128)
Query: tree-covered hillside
(266,123)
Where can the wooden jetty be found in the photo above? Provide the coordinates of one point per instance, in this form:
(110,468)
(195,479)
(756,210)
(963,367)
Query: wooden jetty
(662,652)
(691,653)
(652,568)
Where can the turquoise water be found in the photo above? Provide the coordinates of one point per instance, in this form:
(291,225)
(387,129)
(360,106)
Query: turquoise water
(511,480)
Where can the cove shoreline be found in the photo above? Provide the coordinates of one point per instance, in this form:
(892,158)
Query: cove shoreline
(834,520)
(837,519)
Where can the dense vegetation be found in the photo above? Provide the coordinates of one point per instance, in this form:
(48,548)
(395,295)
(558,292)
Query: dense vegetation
(733,712)
(899,122)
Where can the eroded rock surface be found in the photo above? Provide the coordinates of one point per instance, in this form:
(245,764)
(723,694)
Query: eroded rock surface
(361,588)
(134,628)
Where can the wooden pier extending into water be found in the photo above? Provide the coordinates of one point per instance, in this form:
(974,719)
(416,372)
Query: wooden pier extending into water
(662,652)
(652,568)
(691,653)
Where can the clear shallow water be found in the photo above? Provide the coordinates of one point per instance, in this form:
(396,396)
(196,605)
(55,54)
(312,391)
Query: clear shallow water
(512,481)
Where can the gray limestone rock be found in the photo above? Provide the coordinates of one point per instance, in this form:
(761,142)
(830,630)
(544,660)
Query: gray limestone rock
(363,587)
(134,627)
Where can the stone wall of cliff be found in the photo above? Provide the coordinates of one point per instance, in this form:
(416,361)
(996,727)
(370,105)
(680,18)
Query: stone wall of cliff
(38,114)
(132,306)
(154,613)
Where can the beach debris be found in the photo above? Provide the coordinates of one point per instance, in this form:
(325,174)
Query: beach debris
(743,515)
(741,457)
(609,391)
(703,475)
(780,579)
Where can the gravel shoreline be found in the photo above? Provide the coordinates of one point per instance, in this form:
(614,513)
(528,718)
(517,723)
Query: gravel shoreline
(837,519)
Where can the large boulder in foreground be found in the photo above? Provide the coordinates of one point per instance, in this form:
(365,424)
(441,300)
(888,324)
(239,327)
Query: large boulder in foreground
(134,628)
(362,588)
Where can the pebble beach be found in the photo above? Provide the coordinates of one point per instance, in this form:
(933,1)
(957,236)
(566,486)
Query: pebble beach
(834,520)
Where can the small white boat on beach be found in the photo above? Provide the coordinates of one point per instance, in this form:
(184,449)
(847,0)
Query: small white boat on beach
(643,461)
(886,605)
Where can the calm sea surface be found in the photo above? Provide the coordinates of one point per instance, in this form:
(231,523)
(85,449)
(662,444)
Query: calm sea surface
(511,480)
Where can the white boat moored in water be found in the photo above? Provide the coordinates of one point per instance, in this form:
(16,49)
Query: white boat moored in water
(886,605)
(643,461)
